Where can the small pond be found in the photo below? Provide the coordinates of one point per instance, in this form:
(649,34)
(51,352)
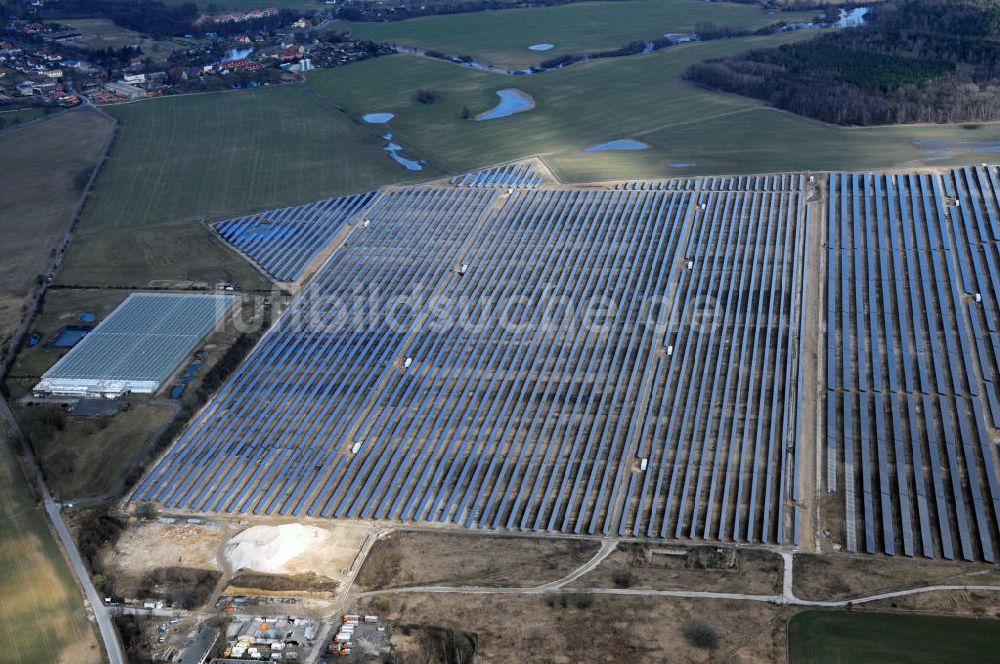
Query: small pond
(852,18)
(396,154)
(377,118)
(512,101)
(627,144)
(69,336)
(849,18)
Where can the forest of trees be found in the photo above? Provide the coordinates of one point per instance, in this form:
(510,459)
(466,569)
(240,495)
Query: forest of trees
(913,61)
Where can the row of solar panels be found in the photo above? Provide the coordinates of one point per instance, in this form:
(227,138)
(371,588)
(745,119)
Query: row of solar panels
(310,368)
(728,409)
(902,341)
(283,241)
(517,174)
(977,228)
(791,182)
(546,425)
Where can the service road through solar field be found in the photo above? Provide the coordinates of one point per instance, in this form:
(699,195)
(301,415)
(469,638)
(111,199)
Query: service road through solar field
(571,360)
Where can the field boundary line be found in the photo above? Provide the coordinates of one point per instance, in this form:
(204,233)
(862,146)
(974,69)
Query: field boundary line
(47,116)
(59,251)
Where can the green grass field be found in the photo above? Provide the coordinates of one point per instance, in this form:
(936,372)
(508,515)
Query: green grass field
(178,159)
(502,38)
(9,119)
(41,610)
(843,637)
(212,155)
(90,454)
(641,97)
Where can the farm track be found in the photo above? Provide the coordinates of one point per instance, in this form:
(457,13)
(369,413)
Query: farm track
(787,596)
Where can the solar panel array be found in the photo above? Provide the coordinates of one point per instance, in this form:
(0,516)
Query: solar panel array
(517,174)
(143,339)
(486,400)
(780,182)
(284,241)
(912,359)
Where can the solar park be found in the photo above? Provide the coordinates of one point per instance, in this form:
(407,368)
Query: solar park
(912,360)
(627,359)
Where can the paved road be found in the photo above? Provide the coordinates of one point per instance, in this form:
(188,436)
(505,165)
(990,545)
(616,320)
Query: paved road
(104,621)
(112,646)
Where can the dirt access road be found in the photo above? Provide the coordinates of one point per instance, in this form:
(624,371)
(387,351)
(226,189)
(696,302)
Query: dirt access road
(787,596)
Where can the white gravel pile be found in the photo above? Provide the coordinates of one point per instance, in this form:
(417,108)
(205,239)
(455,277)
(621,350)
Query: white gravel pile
(270,548)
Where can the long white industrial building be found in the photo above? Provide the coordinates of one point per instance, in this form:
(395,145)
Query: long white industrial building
(137,347)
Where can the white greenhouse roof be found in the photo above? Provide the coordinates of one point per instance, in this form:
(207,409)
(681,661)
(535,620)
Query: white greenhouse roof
(142,341)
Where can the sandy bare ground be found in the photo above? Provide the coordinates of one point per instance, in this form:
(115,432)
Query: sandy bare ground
(326,551)
(297,549)
(151,545)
